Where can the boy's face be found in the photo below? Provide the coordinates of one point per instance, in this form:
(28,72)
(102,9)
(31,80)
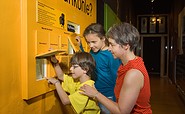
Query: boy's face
(94,42)
(76,71)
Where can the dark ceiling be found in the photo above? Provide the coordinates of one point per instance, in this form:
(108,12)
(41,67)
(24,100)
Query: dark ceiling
(147,7)
(129,9)
(142,6)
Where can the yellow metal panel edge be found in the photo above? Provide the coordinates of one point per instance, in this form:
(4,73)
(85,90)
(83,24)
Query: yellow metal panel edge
(24,70)
(27,53)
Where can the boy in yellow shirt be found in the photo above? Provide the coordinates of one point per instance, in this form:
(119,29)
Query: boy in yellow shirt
(82,70)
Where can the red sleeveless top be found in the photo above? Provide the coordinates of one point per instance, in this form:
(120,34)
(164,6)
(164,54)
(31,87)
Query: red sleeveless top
(142,105)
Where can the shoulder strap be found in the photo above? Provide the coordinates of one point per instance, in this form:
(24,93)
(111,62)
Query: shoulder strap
(85,106)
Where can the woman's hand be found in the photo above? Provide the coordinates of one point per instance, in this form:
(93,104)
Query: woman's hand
(89,91)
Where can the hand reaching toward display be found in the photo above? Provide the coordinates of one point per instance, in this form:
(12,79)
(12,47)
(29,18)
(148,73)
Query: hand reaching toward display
(78,40)
(52,80)
(53,59)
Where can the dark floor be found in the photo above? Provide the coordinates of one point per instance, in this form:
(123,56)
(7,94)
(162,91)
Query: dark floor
(164,98)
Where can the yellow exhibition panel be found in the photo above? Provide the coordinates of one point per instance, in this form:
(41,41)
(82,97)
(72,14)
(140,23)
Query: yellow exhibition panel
(47,28)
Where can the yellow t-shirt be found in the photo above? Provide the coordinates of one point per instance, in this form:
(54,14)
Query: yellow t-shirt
(81,103)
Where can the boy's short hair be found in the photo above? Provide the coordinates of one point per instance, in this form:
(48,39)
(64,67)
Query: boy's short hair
(86,62)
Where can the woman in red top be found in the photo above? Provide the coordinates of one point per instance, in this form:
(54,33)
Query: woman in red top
(132,88)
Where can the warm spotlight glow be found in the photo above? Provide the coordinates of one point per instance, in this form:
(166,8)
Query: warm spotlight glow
(152,0)
(159,20)
(153,20)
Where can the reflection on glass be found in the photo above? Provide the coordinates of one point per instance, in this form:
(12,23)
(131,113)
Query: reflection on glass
(41,68)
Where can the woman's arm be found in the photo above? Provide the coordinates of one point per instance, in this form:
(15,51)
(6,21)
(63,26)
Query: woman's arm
(92,92)
(132,84)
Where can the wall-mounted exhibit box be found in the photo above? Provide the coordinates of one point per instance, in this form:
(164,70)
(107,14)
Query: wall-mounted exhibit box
(47,27)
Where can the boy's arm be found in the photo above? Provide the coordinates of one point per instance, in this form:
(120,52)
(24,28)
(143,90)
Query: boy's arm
(61,93)
(57,68)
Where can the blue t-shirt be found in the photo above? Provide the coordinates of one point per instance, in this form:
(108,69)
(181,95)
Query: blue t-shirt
(106,71)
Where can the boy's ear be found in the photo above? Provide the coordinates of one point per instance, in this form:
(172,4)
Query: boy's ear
(85,71)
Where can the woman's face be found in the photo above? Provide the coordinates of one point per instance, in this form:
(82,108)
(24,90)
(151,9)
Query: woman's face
(94,42)
(116,50)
